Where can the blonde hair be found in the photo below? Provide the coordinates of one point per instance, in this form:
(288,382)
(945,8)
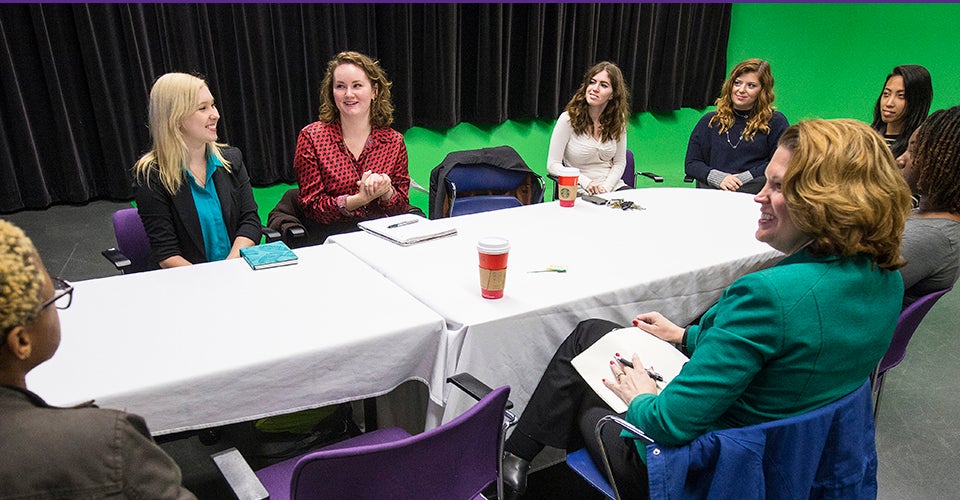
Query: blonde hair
(844,189)
(759,121)
(381,109)
(172,98)
(21,276)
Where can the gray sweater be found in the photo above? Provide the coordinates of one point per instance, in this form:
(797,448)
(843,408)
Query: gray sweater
(931,248)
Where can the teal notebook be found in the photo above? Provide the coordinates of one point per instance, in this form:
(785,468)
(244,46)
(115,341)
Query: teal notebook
(269,255)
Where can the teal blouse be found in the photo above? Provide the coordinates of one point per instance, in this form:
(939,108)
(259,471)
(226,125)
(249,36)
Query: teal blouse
(215,240)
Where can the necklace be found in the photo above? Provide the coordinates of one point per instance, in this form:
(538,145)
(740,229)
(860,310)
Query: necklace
(746,116)
(732,145)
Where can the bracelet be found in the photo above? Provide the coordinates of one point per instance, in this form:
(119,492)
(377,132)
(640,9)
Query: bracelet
(683,340)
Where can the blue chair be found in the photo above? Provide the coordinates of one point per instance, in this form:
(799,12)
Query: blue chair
(478,180)
(829,451)
(478,187)
(907,324)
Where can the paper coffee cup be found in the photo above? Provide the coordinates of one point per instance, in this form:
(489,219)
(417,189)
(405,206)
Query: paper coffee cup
(567,186)
(493,253)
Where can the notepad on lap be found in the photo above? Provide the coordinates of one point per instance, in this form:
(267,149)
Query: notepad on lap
(593,364)
(407,229)
(268,255)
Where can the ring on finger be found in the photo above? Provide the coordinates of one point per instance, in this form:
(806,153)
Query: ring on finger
(619,375)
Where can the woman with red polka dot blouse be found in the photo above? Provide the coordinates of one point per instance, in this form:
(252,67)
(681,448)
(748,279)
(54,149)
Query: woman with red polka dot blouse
(351,166)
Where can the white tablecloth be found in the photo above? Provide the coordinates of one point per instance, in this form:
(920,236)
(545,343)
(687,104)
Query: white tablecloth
(676,257)
(219,343)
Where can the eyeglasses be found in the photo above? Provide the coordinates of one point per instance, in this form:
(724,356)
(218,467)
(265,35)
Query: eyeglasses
(62,295)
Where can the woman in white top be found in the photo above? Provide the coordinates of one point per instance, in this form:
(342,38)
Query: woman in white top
(591,134)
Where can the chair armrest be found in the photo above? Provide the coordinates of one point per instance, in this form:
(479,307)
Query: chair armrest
(117,258)
(270,235)
(603,450)
(655,177)
(473,386)
(553,177)
(688,178)
(243,481)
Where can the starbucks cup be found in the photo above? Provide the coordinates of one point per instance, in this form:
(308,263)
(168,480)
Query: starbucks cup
(493,265)
(567,185)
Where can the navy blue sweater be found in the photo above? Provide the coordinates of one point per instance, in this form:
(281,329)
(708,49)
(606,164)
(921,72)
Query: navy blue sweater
(708,150)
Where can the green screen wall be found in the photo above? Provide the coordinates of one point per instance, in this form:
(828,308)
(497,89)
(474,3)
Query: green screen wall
(828,60)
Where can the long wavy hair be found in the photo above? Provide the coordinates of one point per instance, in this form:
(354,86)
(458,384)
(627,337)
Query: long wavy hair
(918,92)
(762,112)
(381,108)
(172,98)
(844,189)
(936,159)
(613,120)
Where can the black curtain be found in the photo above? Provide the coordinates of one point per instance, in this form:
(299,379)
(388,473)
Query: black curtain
(76,78)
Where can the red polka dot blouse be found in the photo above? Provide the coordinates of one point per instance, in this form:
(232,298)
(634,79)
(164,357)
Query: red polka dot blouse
(327,172)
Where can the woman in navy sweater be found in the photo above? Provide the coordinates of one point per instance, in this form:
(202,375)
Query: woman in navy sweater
(730,147)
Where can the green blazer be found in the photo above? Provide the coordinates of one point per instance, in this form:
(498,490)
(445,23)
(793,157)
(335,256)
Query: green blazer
(778,343)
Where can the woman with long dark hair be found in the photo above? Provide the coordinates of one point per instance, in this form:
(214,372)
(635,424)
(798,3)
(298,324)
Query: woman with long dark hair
(590,134)
(902,105)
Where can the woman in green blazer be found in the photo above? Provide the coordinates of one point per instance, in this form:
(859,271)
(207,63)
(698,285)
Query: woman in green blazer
(780,342)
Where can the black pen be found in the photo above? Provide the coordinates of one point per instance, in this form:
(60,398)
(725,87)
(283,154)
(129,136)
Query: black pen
(404,223)
(652,374)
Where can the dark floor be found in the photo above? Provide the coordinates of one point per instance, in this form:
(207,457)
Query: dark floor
(918,433)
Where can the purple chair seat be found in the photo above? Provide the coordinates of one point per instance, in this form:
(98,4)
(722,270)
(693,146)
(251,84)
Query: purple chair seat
(456,460)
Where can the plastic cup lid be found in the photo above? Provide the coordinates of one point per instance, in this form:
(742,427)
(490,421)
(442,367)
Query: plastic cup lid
(569,172)
(493,245)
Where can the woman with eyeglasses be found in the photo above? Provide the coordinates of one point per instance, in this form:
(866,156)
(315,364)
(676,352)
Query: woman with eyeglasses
(61,452)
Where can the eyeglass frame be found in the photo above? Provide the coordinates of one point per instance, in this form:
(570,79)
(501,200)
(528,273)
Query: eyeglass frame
(60,289)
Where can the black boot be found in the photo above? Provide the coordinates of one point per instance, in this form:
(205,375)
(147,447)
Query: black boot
(514,475)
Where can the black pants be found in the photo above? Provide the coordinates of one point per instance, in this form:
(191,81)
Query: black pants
(564,410)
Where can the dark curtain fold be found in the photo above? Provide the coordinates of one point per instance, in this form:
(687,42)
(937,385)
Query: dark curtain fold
(76,78)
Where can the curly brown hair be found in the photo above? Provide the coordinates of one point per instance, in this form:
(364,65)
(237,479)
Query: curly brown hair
(21,277)
(843,188)
(937,161)
(613,120)
(381,109)
(758,121)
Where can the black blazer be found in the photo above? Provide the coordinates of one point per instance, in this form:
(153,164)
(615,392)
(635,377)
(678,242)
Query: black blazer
(172,223)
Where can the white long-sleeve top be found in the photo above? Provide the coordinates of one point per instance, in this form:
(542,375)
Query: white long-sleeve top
(601,161)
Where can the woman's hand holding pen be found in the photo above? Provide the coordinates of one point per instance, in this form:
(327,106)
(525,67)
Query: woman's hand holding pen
(657,325)
(628,382)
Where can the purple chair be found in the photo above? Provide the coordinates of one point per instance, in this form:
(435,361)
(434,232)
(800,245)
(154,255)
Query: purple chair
(910,319)
(132,253)
(456,460)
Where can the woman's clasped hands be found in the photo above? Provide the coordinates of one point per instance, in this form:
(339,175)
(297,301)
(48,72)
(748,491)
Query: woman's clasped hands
(373,185)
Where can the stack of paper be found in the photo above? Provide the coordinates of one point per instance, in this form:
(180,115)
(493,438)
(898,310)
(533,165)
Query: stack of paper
(407,229)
